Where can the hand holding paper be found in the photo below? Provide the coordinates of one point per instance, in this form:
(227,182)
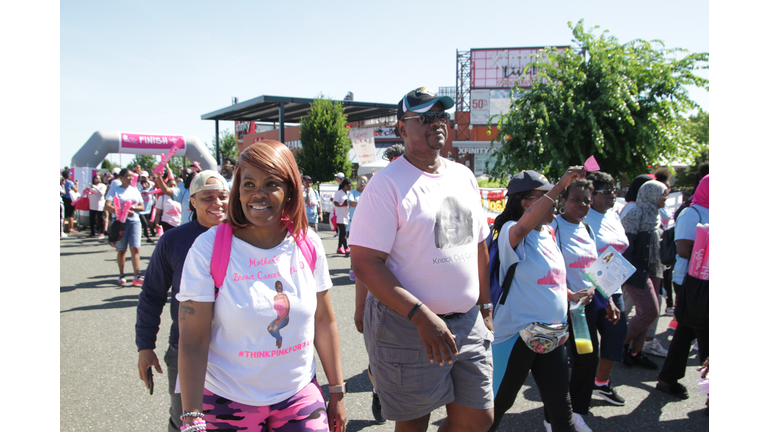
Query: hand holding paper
(609,272)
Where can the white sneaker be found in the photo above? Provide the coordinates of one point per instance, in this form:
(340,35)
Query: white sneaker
(578,422)
(547,426)
(654,347)
(695,345)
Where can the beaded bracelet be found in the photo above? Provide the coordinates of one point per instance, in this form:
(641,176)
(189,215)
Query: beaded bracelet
(192,414)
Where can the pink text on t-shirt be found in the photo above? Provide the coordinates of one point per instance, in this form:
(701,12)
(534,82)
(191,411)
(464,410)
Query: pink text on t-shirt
(275,353)
(265,275)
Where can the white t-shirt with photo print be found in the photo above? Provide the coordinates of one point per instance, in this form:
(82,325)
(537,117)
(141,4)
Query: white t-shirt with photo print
(244,362)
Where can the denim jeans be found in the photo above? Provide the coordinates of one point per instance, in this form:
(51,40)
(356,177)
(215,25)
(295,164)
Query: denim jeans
(172,369)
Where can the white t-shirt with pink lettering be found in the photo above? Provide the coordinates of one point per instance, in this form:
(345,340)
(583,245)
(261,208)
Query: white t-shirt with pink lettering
(430,225)
(245,363)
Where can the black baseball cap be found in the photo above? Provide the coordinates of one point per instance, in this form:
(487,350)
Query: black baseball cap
(421,100)
(528,180)
(307,178)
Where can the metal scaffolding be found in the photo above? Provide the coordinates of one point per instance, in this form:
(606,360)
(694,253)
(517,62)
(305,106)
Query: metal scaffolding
(463,66)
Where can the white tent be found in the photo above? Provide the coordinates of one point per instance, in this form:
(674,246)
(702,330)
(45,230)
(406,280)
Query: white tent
(367,169)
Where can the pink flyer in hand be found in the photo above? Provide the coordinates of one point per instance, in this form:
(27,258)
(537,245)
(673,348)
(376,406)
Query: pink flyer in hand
(698,266)
(591,164)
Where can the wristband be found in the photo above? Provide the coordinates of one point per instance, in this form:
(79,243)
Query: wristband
(338,388)
(550,198)
(413,311)
(485,306)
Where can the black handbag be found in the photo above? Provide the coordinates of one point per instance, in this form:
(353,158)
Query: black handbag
(638,253)
(692,308)
(668,247)
(116,230)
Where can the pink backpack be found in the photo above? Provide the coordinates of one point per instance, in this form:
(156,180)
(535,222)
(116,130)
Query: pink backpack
(222,246)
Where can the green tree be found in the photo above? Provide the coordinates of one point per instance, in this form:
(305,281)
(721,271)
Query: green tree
(622,103)
(324,141)
(697,126)
(147,162)
(227,145)
(175,164)
(107,165)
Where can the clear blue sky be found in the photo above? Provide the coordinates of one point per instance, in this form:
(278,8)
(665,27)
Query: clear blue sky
(155,67)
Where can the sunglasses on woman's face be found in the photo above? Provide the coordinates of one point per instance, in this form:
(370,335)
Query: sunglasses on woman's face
(428,118)
(606,191)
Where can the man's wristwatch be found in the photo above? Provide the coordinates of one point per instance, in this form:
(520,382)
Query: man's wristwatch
(485,306)
(338,388)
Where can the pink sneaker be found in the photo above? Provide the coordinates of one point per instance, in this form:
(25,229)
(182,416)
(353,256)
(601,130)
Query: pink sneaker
(340,250)
(346,251)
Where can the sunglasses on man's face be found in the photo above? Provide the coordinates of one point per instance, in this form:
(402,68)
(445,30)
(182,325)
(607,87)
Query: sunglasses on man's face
(429,117)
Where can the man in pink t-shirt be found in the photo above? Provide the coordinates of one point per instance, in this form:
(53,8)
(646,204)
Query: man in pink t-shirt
(418,244)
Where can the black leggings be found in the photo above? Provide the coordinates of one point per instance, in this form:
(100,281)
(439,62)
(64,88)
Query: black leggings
(680,348)
(342,235)
(96,219)
(667,283)
(584,365)
(145,226)
(550,371)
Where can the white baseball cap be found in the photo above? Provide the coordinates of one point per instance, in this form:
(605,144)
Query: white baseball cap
(200,180)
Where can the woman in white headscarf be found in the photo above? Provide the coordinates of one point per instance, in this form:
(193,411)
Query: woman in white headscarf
(641,224)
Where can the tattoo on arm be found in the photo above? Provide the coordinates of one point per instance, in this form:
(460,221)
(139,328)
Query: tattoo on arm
(184,310)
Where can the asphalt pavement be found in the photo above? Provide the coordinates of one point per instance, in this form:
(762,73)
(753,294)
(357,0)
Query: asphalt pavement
(100,389)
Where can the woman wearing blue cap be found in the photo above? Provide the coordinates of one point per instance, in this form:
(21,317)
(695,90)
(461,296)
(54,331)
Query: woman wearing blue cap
(530,328)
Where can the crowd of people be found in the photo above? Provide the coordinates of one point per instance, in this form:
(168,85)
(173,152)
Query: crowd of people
(420,262)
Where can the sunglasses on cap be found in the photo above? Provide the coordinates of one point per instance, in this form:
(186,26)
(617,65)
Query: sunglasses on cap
(429,117)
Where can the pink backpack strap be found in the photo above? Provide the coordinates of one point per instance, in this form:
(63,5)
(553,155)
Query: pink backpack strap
(222,247)
(307,248)
(552,232)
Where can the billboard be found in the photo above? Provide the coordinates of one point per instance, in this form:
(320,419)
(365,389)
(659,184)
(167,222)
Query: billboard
(502,68)
(243,128)
(486,103)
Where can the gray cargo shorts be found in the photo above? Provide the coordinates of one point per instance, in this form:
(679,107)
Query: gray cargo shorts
(409,386)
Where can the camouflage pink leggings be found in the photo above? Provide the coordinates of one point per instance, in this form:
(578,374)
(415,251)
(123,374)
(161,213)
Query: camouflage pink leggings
(304,411)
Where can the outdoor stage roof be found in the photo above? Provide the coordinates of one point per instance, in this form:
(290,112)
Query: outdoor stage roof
(267,109)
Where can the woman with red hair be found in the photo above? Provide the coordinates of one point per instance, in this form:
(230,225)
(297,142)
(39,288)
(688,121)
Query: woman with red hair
(231,374)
